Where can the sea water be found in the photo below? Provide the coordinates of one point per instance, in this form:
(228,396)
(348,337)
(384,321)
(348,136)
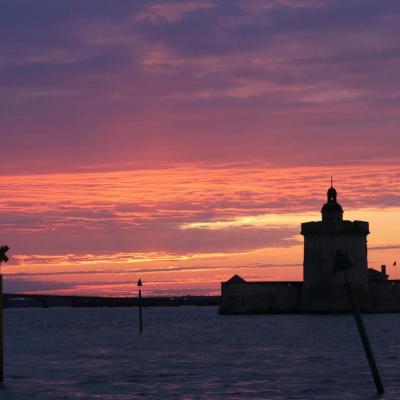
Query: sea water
(193,353)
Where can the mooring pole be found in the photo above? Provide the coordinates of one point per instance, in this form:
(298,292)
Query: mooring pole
(343,263)
(1,330)
(396,277)
(3,257)
(363,335)
(140,284)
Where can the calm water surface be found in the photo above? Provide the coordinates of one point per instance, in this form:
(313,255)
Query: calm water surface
(192,353)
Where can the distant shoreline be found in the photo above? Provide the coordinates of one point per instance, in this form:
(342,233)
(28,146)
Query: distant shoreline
(45,301)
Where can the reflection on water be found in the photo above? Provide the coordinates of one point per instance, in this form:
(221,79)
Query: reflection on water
(192,353)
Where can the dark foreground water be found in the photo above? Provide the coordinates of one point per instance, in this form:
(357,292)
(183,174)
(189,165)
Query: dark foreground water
(192,353)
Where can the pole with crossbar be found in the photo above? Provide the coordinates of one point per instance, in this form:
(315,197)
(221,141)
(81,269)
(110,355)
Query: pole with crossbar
(343,263)
(140,284)
(3,258)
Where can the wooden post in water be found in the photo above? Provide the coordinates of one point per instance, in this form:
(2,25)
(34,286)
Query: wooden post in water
(3,257)
(140,284)
(396,277)
(1,331)
(343,263)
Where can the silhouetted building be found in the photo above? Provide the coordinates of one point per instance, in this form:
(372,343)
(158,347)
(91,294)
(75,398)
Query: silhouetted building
(322,290)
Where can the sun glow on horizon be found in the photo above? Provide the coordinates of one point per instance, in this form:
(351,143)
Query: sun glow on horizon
(91,233)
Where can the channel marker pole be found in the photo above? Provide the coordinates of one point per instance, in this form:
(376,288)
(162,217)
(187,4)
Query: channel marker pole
(343,263)
(140,284)
(3,258)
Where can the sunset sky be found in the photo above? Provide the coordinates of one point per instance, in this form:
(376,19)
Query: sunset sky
(183,142)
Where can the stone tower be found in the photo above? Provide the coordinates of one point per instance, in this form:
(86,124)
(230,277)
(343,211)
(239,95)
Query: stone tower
(323,289)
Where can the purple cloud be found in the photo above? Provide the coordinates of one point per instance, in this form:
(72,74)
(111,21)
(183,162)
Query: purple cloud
(167,82)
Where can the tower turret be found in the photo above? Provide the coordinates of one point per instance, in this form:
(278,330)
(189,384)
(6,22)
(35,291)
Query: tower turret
(323,289)
(332,211)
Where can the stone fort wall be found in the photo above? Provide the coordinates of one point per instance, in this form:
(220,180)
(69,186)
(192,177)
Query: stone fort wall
(260,297)
(385,296)
(286,298)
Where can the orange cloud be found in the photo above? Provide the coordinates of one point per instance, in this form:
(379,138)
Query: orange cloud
(179,225)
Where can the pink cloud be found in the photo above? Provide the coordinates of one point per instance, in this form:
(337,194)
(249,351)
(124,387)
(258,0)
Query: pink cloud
(172,12)
(125,121)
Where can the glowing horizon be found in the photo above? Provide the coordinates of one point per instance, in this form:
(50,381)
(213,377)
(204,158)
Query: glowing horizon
(180,236)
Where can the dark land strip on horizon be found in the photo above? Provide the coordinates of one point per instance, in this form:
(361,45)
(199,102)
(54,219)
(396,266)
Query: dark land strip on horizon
(45,301)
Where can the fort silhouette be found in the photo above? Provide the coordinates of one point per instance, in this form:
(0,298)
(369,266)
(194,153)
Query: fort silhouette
(322,290)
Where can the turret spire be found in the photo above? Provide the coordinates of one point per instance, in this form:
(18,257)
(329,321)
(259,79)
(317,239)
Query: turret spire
(332,210)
